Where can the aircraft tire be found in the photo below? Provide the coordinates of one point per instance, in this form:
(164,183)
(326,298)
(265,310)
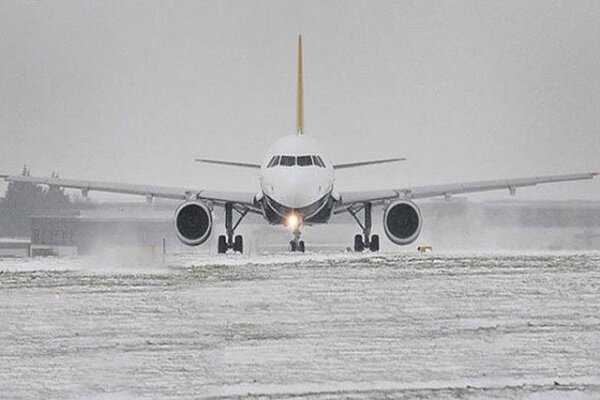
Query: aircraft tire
(293,246)
(238,244)
(222,244)
(374,245)
(301,246)
(359,245)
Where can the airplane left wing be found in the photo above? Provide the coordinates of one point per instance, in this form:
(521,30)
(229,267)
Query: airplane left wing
(365,163)
(166,192)
(447,190)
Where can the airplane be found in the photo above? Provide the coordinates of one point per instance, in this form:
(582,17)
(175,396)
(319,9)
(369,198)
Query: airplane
(297,188)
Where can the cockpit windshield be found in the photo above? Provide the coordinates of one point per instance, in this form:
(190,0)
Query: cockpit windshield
(288,161)
(301,161)
(274,161)
(318,161)
(305,161)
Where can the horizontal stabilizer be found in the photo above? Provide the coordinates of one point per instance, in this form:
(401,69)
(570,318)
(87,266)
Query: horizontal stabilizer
(230,163)
(364,163)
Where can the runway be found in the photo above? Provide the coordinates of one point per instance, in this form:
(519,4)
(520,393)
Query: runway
(331,325)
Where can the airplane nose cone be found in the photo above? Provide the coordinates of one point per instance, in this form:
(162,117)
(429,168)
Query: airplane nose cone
(296,194)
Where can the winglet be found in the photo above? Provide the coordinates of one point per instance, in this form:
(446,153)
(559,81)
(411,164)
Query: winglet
(300,92)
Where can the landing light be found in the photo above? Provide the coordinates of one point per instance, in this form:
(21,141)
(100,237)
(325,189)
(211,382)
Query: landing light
(293,221)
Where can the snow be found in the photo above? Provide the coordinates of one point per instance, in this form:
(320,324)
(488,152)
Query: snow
(318,325)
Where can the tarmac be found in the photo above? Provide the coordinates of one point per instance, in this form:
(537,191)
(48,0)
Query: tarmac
(321,325)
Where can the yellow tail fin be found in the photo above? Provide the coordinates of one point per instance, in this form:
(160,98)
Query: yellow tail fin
(300,98)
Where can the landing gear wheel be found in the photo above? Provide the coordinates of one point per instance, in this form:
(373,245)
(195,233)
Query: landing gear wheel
(301,246)
(228,241)
(364,241)
(374,245)
(359,245)
(238,244)
(222,247)
(293,246)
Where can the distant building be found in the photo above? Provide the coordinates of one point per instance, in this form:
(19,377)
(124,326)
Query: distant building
(546,214)
(80,232)
(14,247)
(511,225)
(551,225)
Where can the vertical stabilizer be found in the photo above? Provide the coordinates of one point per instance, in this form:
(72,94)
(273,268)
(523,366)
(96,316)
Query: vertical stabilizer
(300,98)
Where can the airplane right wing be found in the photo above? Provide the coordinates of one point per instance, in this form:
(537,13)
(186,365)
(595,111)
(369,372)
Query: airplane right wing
(228,163)
(347,199)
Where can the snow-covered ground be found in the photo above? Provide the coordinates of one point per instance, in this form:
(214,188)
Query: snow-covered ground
(331,325)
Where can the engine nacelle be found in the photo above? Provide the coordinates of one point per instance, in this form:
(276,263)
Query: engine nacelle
(402,222)
(193,222)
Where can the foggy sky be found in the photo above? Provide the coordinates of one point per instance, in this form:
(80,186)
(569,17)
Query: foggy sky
(134,91)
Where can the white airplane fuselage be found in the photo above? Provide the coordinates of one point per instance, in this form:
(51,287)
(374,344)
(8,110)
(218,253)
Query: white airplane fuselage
(296,179)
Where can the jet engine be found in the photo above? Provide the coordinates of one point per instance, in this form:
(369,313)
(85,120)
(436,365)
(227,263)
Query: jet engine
(193,222)
(402,222)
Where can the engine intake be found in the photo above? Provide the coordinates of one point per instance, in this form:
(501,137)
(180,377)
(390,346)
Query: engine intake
(193,222)
(402,222)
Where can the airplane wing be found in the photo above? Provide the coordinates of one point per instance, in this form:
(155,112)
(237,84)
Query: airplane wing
(447,190)
(228,163)
(165,192)
(371,162)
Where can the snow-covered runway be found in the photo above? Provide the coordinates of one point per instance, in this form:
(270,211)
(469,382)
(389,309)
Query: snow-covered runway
(315,326)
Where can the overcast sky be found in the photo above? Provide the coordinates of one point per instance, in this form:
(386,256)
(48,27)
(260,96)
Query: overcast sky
(134,91)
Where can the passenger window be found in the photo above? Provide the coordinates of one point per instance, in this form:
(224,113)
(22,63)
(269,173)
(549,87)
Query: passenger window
(305,161)
(287,161)
(274,161)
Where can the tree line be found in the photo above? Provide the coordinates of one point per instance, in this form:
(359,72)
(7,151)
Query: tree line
(24,199)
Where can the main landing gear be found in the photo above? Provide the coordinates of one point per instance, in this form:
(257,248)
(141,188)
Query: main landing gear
(366,240)
(229,241)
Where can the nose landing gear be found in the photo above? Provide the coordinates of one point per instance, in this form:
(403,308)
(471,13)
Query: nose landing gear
(229,241)
(296,244)
(294,221)
(366,240)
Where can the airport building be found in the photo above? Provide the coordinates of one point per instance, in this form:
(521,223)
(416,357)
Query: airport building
(82,231)
(550,225)
(14,247)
